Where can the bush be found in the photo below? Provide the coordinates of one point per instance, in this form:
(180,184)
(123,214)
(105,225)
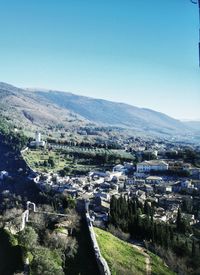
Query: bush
(46,262)
(28,238)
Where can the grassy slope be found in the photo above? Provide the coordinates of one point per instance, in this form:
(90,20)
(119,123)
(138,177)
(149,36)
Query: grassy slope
(122,258)
(158,267)
(36,156)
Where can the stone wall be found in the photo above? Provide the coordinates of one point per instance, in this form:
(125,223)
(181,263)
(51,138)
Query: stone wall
(102,264)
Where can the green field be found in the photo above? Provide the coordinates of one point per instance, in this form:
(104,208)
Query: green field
(35,159)
(123,258)
(76,159)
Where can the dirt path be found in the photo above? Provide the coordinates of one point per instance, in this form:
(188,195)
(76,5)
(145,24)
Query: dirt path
(147,258)
(148,264)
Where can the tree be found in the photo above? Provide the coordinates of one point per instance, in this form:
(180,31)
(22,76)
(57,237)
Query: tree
(28,238)
(51,162)
(179,221)
(193,249)
(12,217)
(46,261)
(147,208)
(68,201)
(66,171)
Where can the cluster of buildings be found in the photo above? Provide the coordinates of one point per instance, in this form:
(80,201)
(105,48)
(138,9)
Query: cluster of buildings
(174,166)
(165,193)
(155,180)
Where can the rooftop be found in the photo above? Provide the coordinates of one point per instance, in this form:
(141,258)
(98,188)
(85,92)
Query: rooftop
(153,162)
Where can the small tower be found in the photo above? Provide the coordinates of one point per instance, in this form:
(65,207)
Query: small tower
(38,137)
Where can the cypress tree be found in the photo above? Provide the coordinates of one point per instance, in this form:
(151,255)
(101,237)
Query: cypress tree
(193,248)
(171,234)
(155,232)
(179,221)
(152,232)
(167,236)
(146,208)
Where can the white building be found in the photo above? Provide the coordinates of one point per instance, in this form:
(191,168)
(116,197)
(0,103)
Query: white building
(38,141)
(38,137)
(152,165)
(3,175)
(103,195)
(154,179)
(186,184)
(153,152)
(119,168)
(130,181)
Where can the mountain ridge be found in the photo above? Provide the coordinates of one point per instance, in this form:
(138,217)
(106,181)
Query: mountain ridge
(39,106)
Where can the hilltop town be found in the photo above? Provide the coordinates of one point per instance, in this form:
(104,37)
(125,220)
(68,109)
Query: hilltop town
(158,178)
(162,174)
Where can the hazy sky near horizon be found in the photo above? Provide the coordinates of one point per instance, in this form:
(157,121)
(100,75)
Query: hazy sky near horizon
(142,52)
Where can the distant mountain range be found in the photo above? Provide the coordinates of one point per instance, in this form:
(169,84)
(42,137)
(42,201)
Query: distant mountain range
(195,125)
(37,107)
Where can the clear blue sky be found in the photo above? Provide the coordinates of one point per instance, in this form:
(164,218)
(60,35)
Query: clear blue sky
(143,52)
